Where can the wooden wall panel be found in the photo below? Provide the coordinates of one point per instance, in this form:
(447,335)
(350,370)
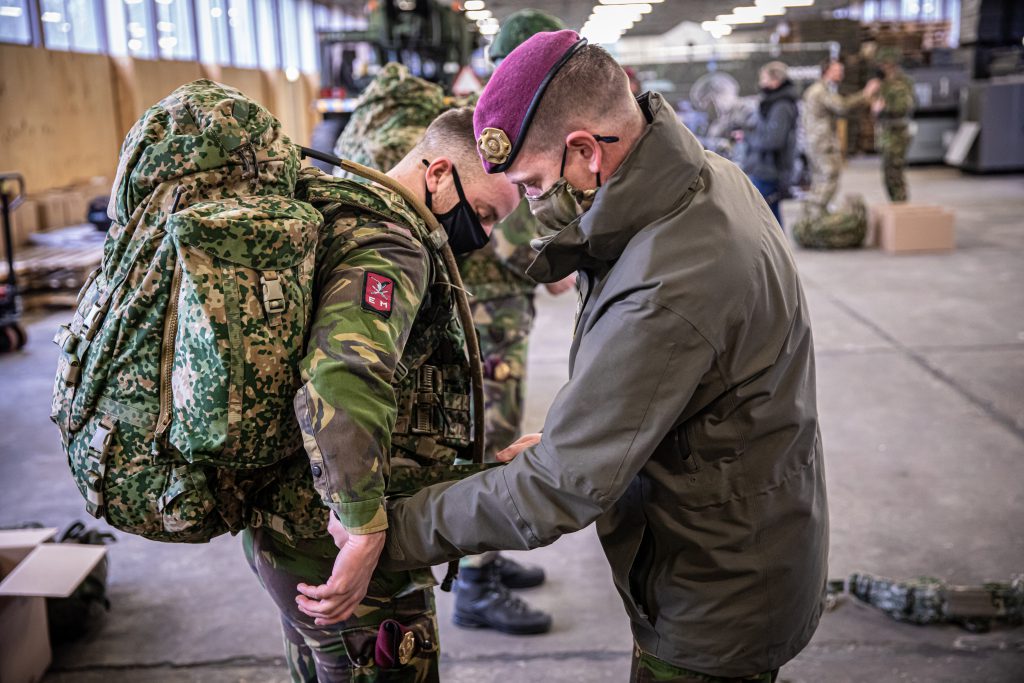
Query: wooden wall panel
(141,83)
(249,81)
(57,116)
(292,103)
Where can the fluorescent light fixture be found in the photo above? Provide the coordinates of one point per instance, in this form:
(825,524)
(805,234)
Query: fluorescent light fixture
(477,15)
(733,19)
(164,2)
(635,8)
(216,12)
(51,17)
(8,11)
(292,74)
(165,26)
(167,42)
(490,21)
(489,30)
(769,8)
(134,44)
(629,2)
(473,5)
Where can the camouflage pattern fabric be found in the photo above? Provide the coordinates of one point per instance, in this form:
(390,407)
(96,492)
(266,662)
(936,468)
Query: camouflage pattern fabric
(894,136)
(928,600)
(174,385)
(649,669)
(389,119)
(517,28)
(822,107)
(844,228)
(344,653)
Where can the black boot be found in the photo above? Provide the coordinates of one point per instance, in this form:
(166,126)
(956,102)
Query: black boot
(515,575)
(482,601)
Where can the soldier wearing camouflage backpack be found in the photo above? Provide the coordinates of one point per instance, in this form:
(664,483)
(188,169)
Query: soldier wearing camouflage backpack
(224,296)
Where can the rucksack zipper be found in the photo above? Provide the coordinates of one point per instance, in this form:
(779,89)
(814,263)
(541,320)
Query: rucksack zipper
(167,354)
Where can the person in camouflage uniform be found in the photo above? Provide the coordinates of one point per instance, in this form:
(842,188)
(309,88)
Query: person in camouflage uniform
(390,118)
(822,107)
(384,333)
(893,108)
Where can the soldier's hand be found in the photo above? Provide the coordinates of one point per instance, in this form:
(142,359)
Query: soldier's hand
(335,600)
(517,447)
(337,531)
(562,286)
(872,87)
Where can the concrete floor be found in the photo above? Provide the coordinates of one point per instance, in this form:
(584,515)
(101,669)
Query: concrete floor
(920,374)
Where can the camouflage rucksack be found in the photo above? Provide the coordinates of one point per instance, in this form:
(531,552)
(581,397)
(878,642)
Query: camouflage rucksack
(176,376)
(841,229)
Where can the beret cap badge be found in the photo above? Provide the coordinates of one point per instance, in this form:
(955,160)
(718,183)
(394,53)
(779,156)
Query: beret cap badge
(494,145)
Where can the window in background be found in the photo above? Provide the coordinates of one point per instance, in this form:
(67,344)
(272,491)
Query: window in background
(175,39)
(139,28)
(266,34)
(289,27)
(243,38)
(14,22)
(86,27)
(308,41)
(212,22)
(56,26)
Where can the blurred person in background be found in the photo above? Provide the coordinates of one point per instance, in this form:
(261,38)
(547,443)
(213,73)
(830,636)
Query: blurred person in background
(771,141)
(893,108)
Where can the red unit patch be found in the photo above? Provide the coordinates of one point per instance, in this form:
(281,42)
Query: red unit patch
(377,293)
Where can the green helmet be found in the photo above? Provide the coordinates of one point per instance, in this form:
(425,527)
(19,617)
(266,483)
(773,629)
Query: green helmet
(517,28)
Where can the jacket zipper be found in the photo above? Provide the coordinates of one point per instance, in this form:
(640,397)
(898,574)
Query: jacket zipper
(167,354)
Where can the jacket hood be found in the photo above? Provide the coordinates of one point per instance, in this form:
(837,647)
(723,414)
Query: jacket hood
(667,157)
(786,91)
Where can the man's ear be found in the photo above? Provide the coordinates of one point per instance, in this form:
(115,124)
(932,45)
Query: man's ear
(439,168)
(583,143)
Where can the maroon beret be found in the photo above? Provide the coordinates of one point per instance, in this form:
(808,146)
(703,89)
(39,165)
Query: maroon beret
(508,103)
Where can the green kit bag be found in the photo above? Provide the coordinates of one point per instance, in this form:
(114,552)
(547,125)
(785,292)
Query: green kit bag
(176,375)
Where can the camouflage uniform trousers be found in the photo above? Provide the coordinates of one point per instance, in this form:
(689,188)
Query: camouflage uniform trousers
(503,325)
(343,651)
(826,164)
(649,669)
(894,141)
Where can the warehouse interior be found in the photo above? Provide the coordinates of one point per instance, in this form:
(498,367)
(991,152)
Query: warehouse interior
(918,319)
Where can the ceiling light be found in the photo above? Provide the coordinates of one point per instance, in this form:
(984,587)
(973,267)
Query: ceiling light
(216,12)
(51,17)
(167,42)
(633,8)
(134,44)
(629,2)
(734,19)
(8,11)
(292,74)
(477,15)
(473,5)
(489,30)
(165,26)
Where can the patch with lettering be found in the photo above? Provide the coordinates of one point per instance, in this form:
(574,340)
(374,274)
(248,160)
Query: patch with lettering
(378,291)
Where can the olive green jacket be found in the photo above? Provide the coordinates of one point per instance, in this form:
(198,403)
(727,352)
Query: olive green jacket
(688,429)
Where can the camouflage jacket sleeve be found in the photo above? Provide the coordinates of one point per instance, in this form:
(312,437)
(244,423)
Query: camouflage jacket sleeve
(371,280)
(838,104)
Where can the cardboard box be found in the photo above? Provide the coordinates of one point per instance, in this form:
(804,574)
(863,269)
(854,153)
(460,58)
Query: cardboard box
(24,222)
(52,209)
(902,228)
(76,202)
(31,571)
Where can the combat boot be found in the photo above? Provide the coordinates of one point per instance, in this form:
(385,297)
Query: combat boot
(483,601)
(515,575)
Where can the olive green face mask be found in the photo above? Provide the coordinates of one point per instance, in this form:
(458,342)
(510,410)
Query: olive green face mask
(561,204)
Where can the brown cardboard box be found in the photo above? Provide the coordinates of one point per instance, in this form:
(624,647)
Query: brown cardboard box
(24,222)
(75,202)
(32,571)
(52,209)
(900,228)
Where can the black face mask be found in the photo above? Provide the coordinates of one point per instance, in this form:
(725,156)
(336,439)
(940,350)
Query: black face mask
(465,234)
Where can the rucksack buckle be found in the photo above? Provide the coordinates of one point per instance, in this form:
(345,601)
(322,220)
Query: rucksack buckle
(274,302)
(100,443)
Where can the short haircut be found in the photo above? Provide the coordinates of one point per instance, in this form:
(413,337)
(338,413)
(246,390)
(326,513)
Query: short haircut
(776,70)
(451,135)
(827,62)
(590,89)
